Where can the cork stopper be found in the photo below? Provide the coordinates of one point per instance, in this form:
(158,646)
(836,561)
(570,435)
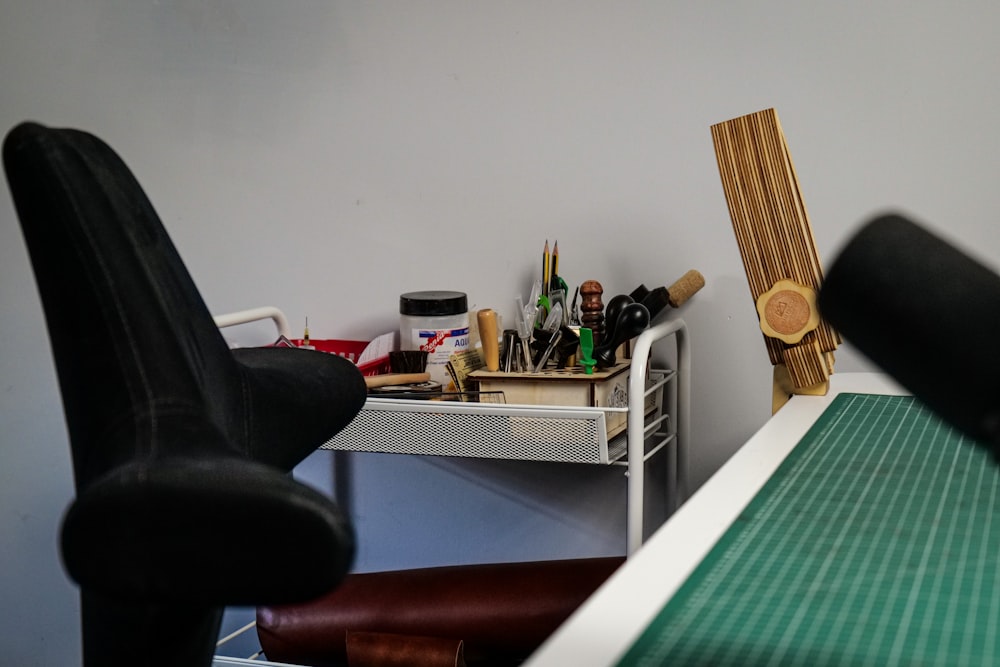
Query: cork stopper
(685,287)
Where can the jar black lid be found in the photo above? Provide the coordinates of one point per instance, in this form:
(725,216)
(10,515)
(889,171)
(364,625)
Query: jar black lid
(433,303)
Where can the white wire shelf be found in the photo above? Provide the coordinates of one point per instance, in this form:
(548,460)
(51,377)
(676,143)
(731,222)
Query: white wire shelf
(489,430)
(541,433)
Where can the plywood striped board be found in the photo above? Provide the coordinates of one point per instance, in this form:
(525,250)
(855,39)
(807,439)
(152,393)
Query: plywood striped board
(773,230)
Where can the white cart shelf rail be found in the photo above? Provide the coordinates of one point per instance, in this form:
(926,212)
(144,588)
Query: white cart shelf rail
(544,432)
(539,432)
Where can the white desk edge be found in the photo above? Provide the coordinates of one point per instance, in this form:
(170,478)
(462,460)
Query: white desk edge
(608,623)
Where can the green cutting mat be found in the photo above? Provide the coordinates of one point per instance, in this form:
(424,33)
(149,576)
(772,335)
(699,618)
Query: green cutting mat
(875,542)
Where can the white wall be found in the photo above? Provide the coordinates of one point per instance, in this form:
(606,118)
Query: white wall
(326,156)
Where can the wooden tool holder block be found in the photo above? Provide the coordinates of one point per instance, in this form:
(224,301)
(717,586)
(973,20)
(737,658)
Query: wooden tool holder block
(607,388)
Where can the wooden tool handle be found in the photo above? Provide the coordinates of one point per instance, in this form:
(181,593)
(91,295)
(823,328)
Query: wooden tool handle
(488,334)
(592,309)
(389,379)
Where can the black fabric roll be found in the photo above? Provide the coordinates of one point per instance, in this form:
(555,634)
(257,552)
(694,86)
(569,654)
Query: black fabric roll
(926,313)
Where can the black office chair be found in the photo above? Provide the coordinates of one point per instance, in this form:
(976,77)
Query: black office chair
(181,447)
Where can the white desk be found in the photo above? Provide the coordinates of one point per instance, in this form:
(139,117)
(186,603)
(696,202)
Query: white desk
(606,625)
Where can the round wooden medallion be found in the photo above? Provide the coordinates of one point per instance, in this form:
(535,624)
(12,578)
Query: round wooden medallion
(788,311)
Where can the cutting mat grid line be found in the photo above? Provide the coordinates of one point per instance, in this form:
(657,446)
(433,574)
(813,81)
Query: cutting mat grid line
(874,542)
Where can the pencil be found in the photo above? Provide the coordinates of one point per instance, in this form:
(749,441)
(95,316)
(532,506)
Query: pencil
(555,264)
(546,268)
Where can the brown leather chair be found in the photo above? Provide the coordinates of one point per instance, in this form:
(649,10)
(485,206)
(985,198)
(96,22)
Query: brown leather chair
(493,614)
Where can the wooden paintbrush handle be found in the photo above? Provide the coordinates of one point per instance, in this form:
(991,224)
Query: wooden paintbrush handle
(389,379)
(488,333)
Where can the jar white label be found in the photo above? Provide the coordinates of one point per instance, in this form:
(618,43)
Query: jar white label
(439,345)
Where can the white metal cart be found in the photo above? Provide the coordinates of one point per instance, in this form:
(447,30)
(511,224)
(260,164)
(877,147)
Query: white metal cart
(538,432)
(548,433)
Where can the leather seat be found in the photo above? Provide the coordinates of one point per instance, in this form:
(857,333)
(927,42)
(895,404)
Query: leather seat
(497,613)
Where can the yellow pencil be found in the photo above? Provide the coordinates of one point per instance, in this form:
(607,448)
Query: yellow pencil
(546,268)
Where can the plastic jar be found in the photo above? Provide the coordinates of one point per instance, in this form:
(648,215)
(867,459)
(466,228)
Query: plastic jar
(437,322)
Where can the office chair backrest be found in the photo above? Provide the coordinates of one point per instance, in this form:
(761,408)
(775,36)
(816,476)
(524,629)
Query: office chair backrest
(124,316)
(180,446)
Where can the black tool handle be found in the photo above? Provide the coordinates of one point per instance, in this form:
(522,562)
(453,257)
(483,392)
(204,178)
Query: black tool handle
(612,311)
(632,321)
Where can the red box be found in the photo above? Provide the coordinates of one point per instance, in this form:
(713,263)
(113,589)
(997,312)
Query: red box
(350,350)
